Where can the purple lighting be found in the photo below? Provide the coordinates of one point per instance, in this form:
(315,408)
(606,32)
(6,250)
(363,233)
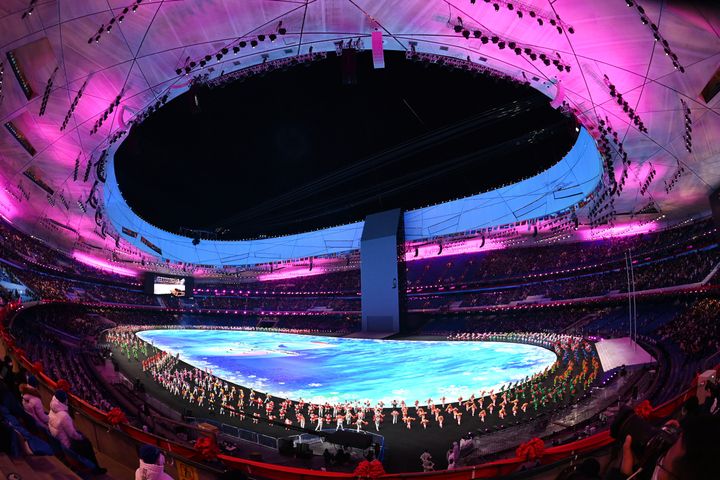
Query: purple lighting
(102,264)
(619,231)
(291,272)
(453,248)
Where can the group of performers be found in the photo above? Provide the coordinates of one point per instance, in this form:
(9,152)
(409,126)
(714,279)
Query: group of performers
(577,367)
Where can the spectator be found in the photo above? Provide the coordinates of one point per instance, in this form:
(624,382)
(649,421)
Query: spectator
(152,463)
(63,430)
(693,456)
(31,402)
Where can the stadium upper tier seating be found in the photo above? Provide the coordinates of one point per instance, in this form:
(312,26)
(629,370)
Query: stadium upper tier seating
(681,256)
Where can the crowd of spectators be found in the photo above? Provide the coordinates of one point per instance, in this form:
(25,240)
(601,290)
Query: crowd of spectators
(677,271)
(547,321)
(279,303)
(31,251)
(508,265)
(340,282)
(679,256)
(54,287)
(61,361)
(697,329)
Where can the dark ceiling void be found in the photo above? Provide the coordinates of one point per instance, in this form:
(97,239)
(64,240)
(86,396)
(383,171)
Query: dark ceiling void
(329,143)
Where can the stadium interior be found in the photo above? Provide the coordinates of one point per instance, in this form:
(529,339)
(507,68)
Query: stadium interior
(336,239)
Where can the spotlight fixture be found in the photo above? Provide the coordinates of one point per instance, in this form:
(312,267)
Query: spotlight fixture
(632,114)
(513,45)
(242,44)
(30,9)
(107,28)
(541,17)
(48,90)
(253,43)
(261,37)
(657,36)
(73,105)
(272,37)
(458,28)
(688,127)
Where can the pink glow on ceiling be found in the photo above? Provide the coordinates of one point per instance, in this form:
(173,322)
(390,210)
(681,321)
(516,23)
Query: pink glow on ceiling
(7,207)
(619,231)
(110,69)
(291,272)
(102,264)
(472,245)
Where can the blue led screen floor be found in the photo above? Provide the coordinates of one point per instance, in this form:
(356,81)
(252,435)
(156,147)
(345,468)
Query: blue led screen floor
(319,369)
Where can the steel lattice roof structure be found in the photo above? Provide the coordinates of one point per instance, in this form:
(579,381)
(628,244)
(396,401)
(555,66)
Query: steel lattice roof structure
(76,73)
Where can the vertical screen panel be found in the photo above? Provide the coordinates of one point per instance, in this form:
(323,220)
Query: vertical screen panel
(379,282)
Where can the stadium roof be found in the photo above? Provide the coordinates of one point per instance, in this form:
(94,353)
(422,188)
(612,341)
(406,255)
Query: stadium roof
(83,74)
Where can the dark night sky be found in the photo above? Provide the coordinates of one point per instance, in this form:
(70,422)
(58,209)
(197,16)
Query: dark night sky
(298,149)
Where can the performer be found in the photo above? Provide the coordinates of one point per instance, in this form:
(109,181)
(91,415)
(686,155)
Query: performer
(408,421)
(359,423)
(377,418)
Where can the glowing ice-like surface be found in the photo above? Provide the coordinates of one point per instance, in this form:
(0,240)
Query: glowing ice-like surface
(332,369)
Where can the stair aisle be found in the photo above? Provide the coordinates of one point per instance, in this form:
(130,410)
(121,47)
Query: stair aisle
(35,468)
